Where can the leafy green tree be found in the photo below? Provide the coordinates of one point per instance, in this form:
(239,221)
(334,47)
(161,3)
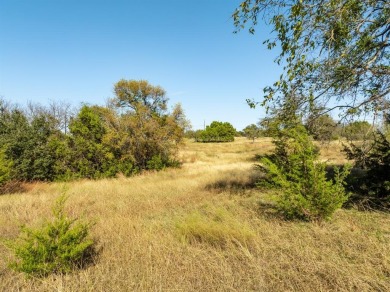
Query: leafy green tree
(305,191)
(140,93)
(358,130)
(90,157)
(373,187)
(151,133)
(25,145)
(5,168)
(266,126)
(252,132)
(133,133)
(38,157)
(334,52)
(323,127)
(217,132)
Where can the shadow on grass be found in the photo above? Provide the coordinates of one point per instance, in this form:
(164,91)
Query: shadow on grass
(236,181)
(90,258)
(268,210)
(12,187)
(257,157)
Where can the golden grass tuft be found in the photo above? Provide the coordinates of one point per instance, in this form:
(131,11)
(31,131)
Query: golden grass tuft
(233,240)
(214,226)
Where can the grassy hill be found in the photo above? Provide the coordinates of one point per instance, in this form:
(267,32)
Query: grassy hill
(203,227)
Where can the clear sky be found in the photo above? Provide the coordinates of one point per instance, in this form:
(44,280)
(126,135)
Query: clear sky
(76,50)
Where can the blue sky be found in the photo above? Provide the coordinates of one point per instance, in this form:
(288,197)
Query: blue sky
(76,50)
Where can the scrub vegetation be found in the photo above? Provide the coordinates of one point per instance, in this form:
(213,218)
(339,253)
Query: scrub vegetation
(133,132)
(203,227)
(305,210)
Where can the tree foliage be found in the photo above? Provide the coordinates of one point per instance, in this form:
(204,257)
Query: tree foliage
(26,144)
(90,157)
(5,168)
(252,132)
(133,133)
(358,130)
(333,52)
(305,191)
(217,132)
(374,160)
(322,128)
(153,132)
(59,246)
(140,93)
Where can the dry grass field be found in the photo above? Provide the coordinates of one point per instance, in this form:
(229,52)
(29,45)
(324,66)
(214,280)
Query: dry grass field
(203,227)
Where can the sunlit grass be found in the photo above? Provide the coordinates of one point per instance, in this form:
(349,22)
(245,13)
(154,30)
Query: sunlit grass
(215,226)
(203,227)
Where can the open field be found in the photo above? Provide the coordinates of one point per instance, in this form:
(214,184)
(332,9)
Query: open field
(204,227)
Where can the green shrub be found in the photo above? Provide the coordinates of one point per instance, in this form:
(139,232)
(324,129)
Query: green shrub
(217,132)
(358,130)
(374,160)
(156,163)
(322,127)
(306,192)
(252,132)
(59,246)
(5,168)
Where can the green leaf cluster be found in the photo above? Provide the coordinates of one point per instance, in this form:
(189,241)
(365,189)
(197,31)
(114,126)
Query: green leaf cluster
(5,168)
(305,191)
(358,130)
(252,132)
(26,145)
(59,246)
(335,52)
(132,133)
(322,127)
(374,160)
(217,132)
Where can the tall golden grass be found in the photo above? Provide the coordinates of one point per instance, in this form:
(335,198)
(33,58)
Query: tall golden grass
(203,227)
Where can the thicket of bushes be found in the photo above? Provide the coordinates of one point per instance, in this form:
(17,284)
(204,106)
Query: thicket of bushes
(306,190)
(372,186)
(135,131)
(216,132)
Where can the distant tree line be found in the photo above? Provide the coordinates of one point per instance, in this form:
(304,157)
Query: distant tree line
(134,132)
(321,128)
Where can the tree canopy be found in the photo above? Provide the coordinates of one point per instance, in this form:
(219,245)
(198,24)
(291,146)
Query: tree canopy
(133,133)
(136,93)
(252,132)
(217,132)
(334,52)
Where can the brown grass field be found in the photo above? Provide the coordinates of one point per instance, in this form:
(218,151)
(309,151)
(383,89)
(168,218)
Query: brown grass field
(203,227)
